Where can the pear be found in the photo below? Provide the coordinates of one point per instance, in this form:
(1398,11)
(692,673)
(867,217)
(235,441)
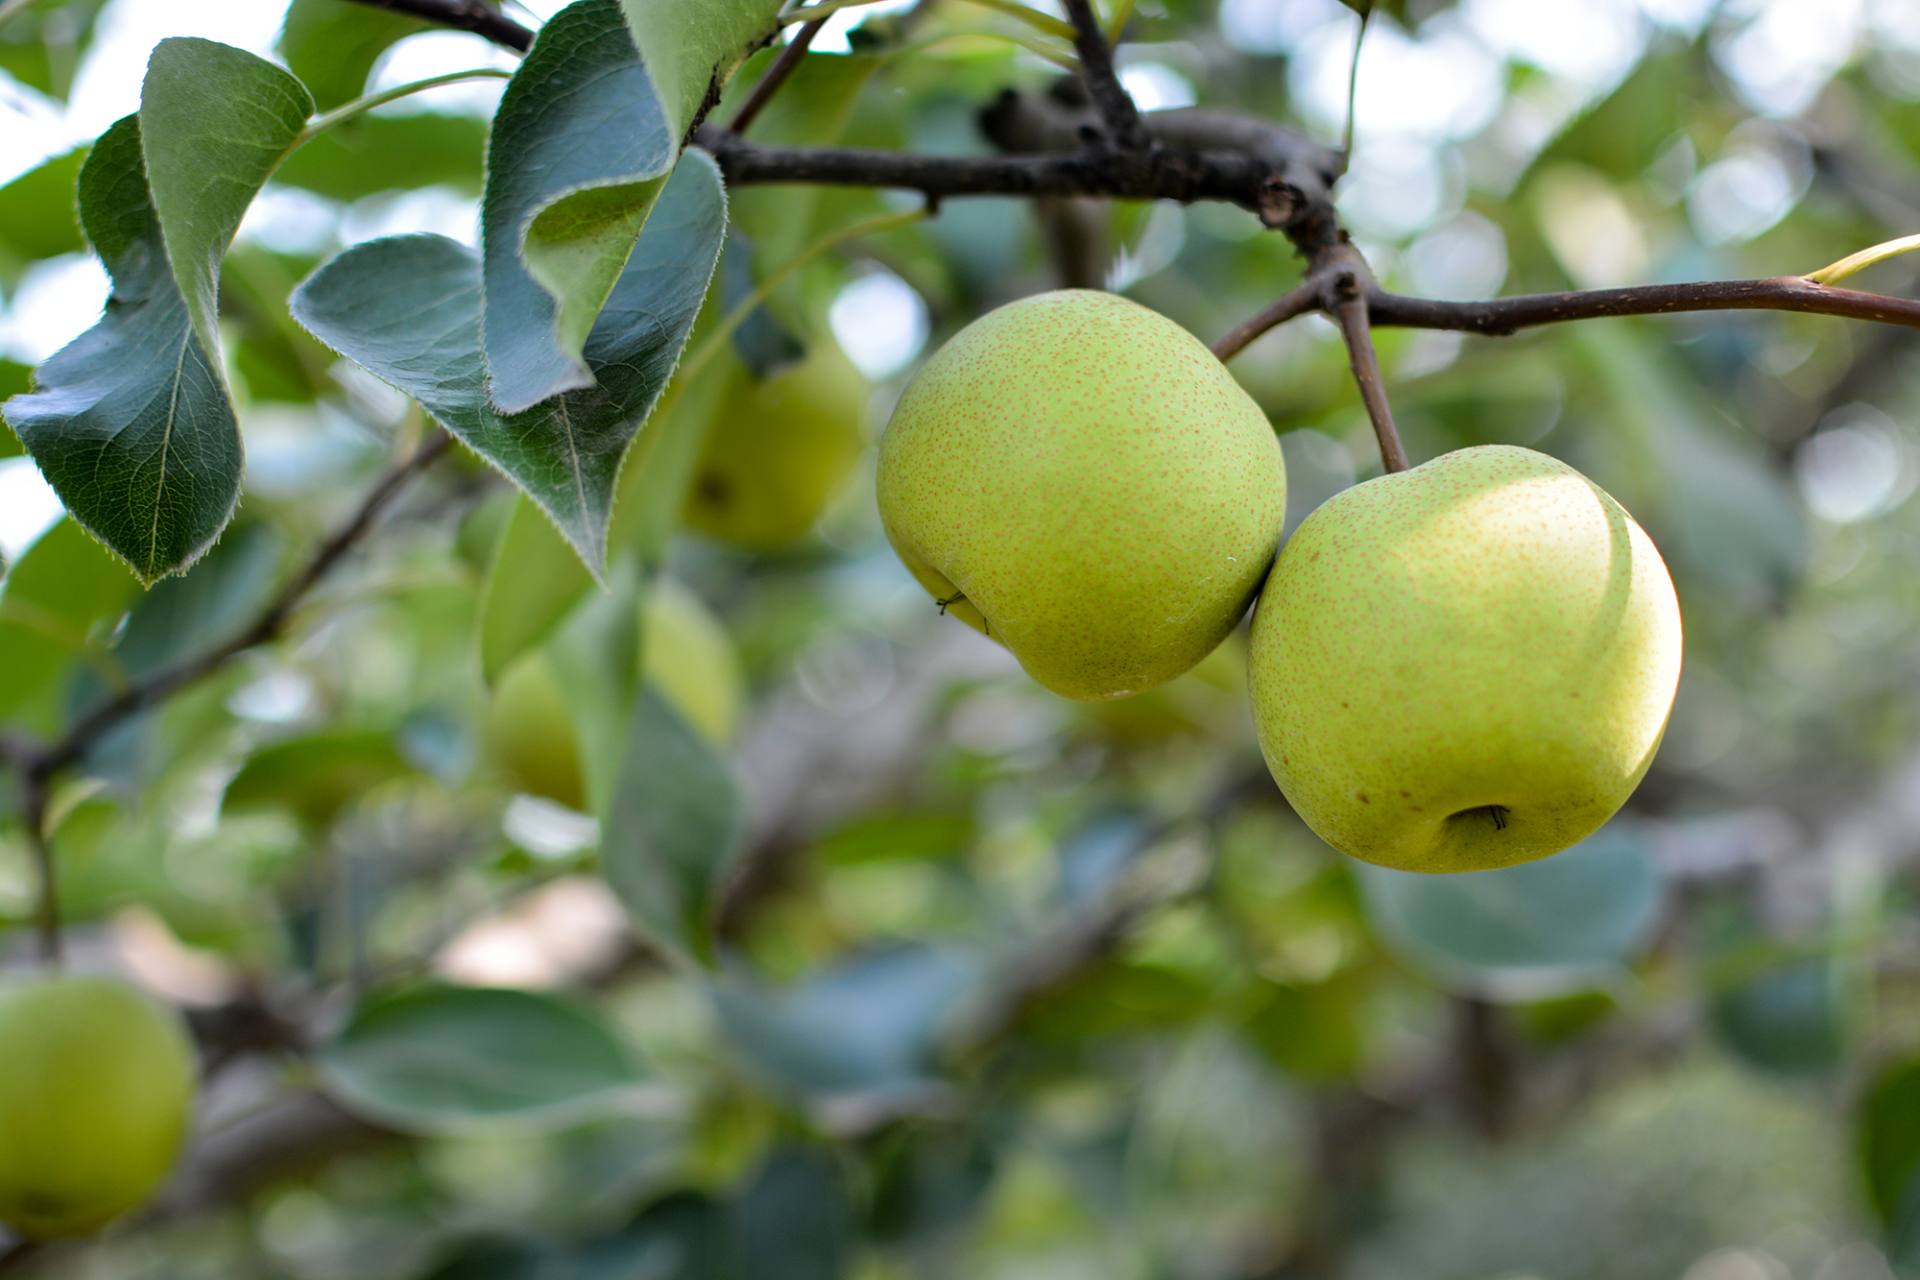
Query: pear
(96,1092)
(1466,665)
(1081,479)
(778,449)
(685,653)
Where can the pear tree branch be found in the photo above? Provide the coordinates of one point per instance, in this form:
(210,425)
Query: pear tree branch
(1117,111)
(477,16)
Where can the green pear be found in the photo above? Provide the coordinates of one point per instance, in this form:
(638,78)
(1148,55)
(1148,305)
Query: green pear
(685,653)
(778,449)
(96,1092)
(1081,479)
(1466,665)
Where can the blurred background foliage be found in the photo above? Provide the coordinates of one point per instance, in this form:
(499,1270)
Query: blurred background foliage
(1012,987)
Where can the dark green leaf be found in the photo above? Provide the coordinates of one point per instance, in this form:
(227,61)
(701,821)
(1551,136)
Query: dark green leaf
(672,828)
(577,158)
(408,310)
(794,1217)
(1791,1017)
(1888,1128)
(1558,924)
(131,423)
(447,1059)
(864,1027)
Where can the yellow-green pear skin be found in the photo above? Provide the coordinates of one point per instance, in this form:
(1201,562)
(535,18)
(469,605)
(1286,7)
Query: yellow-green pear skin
(1081,479)
(685,653)
(1464,666)
(96,1094)
(779,449)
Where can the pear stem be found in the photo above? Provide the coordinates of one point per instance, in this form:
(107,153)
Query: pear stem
(1350,313)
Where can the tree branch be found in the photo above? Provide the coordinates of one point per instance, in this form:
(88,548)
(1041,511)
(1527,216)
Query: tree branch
(784,65)
(1236,178)
(1117,112)
(1501,316)
(142,694)
(1297,301)
(1350,313)
(477,16)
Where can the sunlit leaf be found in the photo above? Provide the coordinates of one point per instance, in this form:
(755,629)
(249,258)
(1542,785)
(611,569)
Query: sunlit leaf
(690,47)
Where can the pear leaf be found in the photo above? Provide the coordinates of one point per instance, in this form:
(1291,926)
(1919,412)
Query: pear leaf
(408,310)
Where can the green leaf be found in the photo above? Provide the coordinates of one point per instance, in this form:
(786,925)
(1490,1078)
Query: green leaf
(376,153)
(208,108)
(56,605)
(535,580)
(1560,924)
(41,47)
(672,828)
(1888,1125)
(316,775)
(763,344)
(596,662)
(442,1059)
(794,1217)
(577,157)
(332,46)
(867,1026)
(690,47)
(1791,1018)
(131,423)
(407,309)
(38,215)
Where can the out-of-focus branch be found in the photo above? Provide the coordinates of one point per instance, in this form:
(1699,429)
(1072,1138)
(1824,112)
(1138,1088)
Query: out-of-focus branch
(477,16)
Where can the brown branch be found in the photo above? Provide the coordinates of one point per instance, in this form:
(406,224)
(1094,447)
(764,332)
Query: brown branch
(1117,112)
(1297,301)
(1235,178)
(784,65)
(142,694)
(1501,316)
(1350,313)
(477,16)
(46,908)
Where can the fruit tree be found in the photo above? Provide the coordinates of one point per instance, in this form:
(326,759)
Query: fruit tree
(699,639)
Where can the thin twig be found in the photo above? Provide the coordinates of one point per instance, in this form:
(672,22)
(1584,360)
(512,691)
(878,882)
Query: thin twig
(776,75)
(141,694)
(1117,111)
(1297,301)
(476,16)
(1350,313)
(1500,316)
